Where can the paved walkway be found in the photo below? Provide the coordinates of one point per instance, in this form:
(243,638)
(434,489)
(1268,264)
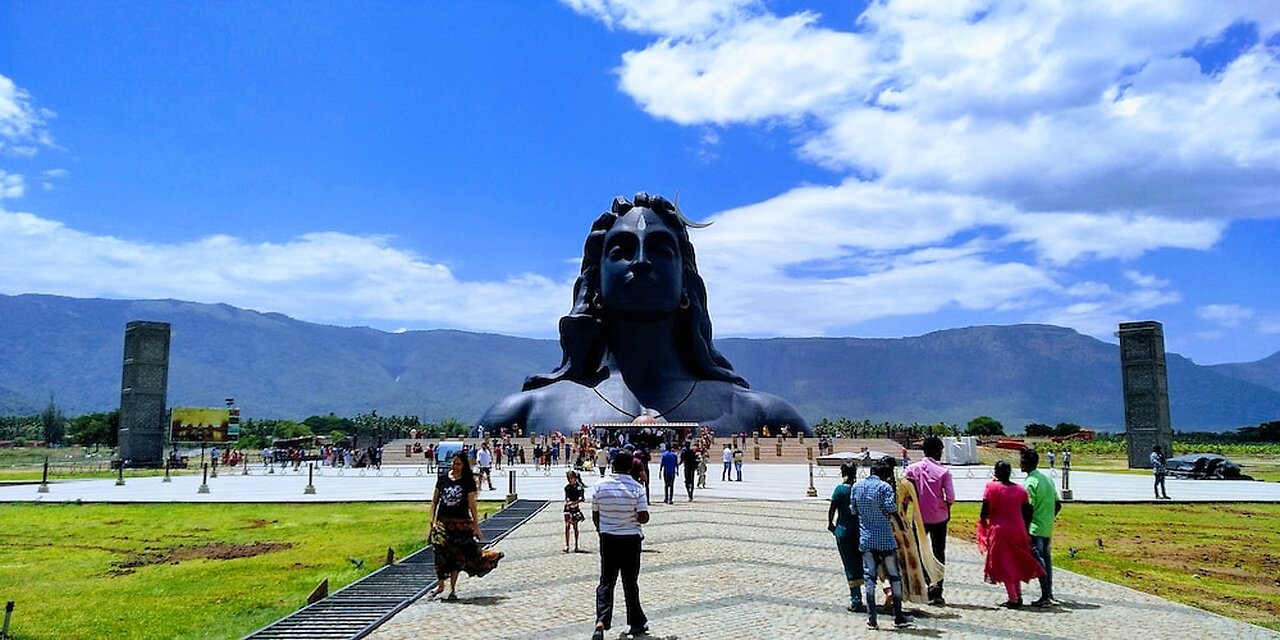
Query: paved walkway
(738,569)
(762,482)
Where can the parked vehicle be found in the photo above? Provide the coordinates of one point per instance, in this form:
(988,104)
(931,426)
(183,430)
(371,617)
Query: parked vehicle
(1205,466)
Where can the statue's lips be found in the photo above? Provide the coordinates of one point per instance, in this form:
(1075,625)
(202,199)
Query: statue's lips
(638,281)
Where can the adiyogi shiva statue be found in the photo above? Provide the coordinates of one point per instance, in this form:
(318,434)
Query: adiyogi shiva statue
(637,343)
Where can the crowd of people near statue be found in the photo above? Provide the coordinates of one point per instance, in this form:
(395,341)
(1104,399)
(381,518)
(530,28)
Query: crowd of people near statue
(890,527)
(351,457)
(284,457)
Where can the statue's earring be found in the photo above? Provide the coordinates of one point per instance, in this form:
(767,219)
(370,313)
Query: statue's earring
(684,300)
(595,301)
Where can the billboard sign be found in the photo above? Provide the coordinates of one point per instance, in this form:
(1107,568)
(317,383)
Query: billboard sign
(200,424)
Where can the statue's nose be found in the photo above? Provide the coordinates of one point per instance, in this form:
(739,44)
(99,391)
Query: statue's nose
(642,260)
(641,267)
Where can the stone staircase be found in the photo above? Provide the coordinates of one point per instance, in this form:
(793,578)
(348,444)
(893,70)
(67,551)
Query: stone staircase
(397,451)
(792,451)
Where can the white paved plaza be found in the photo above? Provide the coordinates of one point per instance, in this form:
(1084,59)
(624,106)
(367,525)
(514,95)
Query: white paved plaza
(772,482)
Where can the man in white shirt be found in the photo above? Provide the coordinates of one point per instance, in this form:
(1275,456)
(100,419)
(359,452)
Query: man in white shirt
(484,460)
(727,456)
(618,509)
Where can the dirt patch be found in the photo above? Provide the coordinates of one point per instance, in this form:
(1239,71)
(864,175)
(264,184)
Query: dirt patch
(258,524)
(212,551)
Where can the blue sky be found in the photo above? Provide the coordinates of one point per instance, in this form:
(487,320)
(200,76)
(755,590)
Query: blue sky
(875,171)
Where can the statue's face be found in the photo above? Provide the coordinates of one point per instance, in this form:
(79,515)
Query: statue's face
(640,271)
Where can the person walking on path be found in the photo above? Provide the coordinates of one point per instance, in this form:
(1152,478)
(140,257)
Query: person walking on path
(702,470)
(727,456)
(737,462)
(842,523)
(1002,535)
(689,460)
(574,493)
(918,567)
(872,502)
(669,462)
(1159,469)
(1044,508)
(455,533)
(618,509)
(484,460)
(936,493)
(640,469)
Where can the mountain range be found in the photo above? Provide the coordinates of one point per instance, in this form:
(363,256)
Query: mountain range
(71,350)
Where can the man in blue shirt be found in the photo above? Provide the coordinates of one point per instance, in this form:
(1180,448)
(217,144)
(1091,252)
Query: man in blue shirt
(872,501)
(669,463)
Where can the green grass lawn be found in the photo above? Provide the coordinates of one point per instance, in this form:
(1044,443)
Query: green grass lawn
(1223,558)
(187,570)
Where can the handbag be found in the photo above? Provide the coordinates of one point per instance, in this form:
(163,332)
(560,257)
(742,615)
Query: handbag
(437,535)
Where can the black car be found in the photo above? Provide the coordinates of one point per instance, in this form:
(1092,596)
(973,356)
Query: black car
(1205,466)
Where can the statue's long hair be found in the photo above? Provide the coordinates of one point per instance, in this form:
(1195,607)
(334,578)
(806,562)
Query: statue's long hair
(582,331)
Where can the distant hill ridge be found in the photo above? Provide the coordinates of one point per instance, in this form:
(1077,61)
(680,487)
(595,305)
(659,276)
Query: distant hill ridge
(276,366)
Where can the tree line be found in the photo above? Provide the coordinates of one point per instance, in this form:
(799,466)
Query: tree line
(101,429)
(988,426)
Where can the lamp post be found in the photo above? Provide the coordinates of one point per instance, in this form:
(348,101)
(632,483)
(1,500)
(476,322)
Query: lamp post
(204,484)
(1066,480)
(311,487)
(44,478)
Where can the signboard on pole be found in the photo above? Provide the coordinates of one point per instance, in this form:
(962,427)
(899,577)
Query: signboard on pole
(200,424)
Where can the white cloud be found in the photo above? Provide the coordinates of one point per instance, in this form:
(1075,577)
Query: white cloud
(22,124)
(1269,325)
(12,185)
(665,17)
(1063,238)
(1226,315)
(1083,106)
(762,68)
(1144,280)
(835,256)
(318,276)
(1100,315)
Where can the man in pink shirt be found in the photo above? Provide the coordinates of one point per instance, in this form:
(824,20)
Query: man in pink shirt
(937,494)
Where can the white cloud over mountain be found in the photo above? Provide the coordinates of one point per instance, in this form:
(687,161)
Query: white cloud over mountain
(319,276)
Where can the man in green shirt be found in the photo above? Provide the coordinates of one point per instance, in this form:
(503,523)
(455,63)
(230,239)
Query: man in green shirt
(1044,508)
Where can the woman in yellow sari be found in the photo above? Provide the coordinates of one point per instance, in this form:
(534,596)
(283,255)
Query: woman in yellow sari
(916,562)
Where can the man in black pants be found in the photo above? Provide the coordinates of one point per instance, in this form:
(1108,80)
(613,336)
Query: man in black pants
(937,493)
(618,509)
(689,458)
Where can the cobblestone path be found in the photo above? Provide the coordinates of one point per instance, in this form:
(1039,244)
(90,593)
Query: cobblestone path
(737,569)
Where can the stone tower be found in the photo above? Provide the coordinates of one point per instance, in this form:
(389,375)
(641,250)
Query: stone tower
(143,393)
(1146,391)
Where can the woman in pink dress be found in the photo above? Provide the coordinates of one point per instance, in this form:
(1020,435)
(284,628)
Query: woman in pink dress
(1003,537)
